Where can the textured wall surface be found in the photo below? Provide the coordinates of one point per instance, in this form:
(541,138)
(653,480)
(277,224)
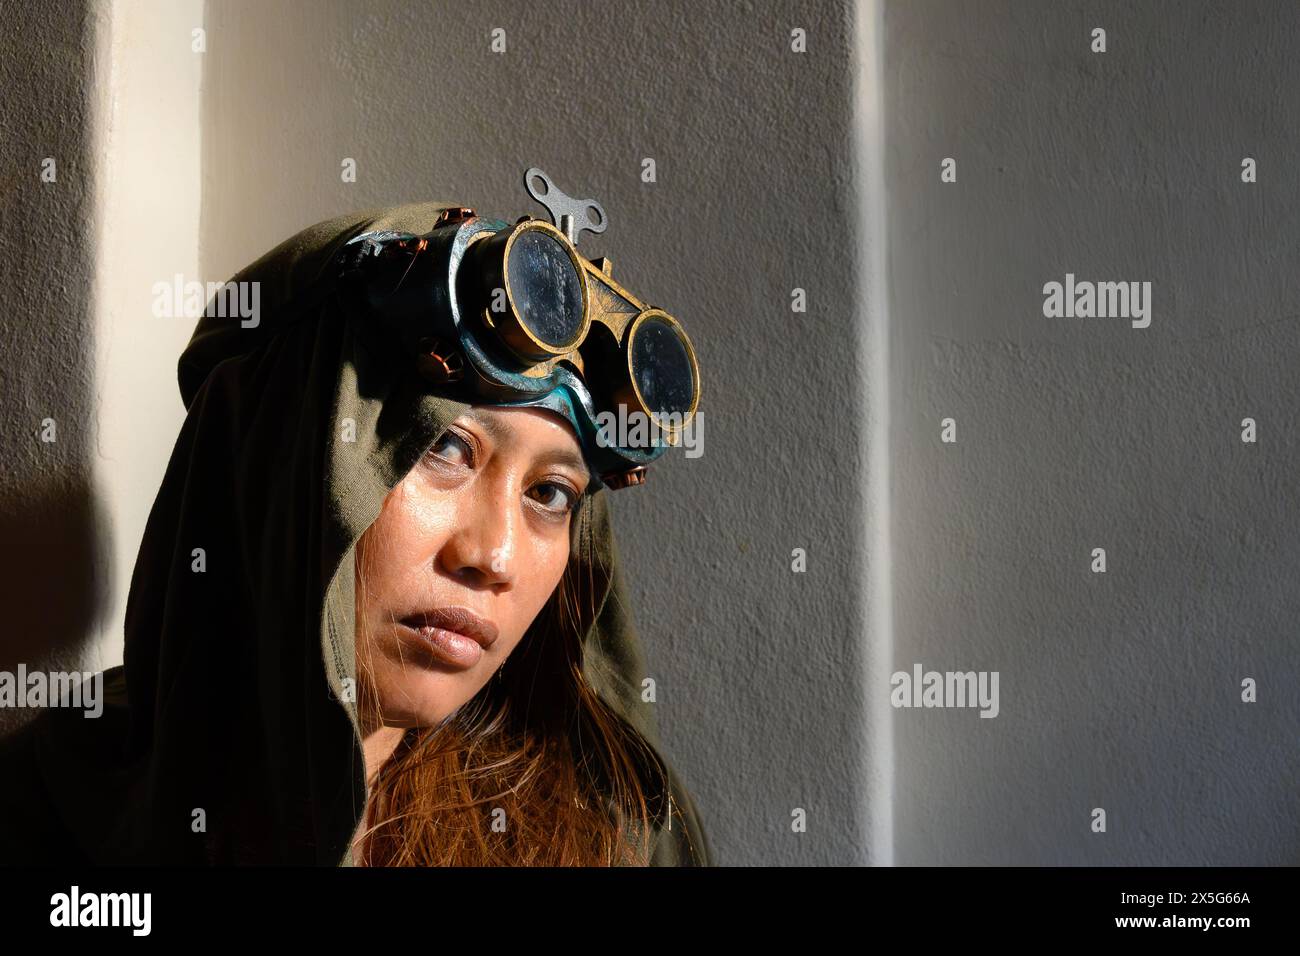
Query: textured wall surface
(53,588)
(110,94)
(1118,690)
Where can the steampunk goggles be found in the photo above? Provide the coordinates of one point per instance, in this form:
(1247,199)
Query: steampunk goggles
(515,315)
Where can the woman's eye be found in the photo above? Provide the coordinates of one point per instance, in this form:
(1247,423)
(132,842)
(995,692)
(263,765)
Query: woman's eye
(452,448)
(556,497)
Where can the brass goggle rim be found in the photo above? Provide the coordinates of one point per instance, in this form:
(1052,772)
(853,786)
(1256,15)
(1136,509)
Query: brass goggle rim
(537,225)
(582,266)
(643,316)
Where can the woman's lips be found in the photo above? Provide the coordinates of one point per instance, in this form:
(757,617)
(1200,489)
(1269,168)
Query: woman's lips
(450,647)
(456,635)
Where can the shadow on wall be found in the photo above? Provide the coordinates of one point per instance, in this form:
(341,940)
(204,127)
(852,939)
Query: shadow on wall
(55,565)
(52,583)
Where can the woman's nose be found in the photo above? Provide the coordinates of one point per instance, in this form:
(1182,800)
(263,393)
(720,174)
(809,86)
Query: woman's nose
(481,547)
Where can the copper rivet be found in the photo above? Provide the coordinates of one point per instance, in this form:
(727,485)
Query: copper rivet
(440,363)
(455,214)
(625,479)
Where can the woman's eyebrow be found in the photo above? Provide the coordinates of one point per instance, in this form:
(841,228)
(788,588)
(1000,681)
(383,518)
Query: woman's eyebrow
(500,433)
(497,430)
(564,457)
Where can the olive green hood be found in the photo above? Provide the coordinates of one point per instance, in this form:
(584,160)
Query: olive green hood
(230,734)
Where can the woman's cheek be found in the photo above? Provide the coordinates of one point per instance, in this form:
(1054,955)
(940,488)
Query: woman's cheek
(418,511)
(549,557)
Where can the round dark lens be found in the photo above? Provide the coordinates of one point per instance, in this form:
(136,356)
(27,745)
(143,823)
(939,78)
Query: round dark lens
(662,368)
(546,288)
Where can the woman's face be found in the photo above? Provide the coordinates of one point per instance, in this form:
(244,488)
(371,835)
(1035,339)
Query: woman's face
(480,525)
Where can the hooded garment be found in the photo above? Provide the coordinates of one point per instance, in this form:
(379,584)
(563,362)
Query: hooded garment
(235,695)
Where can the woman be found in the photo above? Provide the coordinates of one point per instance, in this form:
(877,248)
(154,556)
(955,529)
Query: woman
(374,618)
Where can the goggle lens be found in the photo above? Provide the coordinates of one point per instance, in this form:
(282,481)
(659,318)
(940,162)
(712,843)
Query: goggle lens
(545,288)
(661,367)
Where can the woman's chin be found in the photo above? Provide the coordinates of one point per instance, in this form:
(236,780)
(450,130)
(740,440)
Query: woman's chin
(421,698)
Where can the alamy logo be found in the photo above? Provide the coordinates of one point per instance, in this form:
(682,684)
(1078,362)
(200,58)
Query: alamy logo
(631,428)
(946,689)
(189,300)
(102,909)
(55,689)
(1102,300)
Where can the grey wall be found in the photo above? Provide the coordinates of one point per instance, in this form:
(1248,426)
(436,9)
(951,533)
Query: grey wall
(1118,690)
(53,588)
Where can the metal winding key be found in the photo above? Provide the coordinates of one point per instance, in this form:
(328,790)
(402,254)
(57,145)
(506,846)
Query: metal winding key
(569,215)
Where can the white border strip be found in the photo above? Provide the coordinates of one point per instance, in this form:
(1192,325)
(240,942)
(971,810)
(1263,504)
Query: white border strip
(873,356)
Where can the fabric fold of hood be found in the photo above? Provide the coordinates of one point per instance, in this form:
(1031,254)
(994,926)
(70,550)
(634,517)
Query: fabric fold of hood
(230,733)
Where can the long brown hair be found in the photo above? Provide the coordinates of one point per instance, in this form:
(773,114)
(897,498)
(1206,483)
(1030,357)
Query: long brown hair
(534,770)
